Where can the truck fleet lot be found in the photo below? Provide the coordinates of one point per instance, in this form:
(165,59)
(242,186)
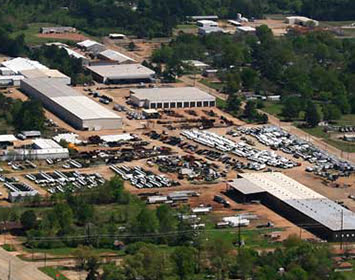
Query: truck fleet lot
(184,150)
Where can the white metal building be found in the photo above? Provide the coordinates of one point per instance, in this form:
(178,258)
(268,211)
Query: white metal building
(182,97)
(123,73)
(298,203)
(47,73)
(76,109)
(57,29)
(91,46)
(19,64)
(208,30)
(246,29)
(112,55)
(300,20)
(14,80)
(32,69)
(206,23)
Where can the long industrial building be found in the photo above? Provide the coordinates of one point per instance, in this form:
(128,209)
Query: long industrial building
(76,109)
(123,73)
(182,97)
(297,203)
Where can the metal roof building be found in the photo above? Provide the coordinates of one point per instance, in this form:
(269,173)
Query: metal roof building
(91,46)
(115,56)
(182,97)
(57,29)
(19,64)
(123,73)
(46,73)
(76,109)
(298,203)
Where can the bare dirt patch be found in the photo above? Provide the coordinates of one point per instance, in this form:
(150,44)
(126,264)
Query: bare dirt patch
(64,36)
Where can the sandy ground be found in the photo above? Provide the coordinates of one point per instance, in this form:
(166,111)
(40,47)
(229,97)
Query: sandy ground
(64,36)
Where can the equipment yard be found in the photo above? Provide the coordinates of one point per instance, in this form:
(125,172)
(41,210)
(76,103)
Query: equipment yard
(127,143)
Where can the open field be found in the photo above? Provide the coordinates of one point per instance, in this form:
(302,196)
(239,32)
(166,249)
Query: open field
(33,37)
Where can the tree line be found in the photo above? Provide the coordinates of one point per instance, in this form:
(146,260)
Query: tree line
(154,18)
(27,115)
(58,58)
(307,70)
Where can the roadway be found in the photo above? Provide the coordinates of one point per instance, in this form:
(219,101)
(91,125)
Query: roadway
(20,270)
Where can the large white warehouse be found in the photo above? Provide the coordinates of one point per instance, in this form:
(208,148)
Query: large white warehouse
(76,109)
(122,73)
(182,97)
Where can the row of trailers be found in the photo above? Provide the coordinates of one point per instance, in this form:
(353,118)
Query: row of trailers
(72,181)
(141,178)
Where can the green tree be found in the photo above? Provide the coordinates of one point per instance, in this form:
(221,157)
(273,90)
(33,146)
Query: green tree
(184,262)
(249,78)
(28,219)
(146,222)
(233,103)
(291,107)
(312,116)
(250,111)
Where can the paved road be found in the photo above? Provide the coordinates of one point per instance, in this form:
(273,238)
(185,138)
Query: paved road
(20,270)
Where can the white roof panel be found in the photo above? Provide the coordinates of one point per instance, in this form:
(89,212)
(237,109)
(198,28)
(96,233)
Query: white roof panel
(70,99)
(117,137)
(46,144)
(84,108)
(7,138)
(115,56)
(19,64)
(122,71)
(88,43)
(172,94)
(304,199)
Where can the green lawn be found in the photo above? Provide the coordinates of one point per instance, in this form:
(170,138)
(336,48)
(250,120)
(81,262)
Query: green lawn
(186,26)
(9,247)
(31,34)
(4,127)
(346,120)
(53,272)
(221,104)
(341,145)
(215,86)
(67,251)
(273,108)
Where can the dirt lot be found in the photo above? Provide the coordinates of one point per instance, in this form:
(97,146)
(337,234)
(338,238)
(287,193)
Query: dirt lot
(64,36)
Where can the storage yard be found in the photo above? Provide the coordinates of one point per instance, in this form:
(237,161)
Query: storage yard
(172,145)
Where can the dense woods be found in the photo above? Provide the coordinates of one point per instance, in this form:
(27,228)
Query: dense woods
(157,17)
(303,69)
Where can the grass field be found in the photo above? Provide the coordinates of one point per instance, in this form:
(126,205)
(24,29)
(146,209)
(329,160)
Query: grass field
(273,108)
(53,272)
(341,145)
(347,120)
(186,26)
(215,86)
(221,104)
(32,30)
(9,247)
(5,127)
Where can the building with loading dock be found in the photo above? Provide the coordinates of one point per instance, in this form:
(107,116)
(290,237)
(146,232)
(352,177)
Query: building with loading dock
(297,203)
(170,98)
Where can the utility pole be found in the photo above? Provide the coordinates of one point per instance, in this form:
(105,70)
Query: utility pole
(341,229)
(239,235)
(45,259)
(9,276)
